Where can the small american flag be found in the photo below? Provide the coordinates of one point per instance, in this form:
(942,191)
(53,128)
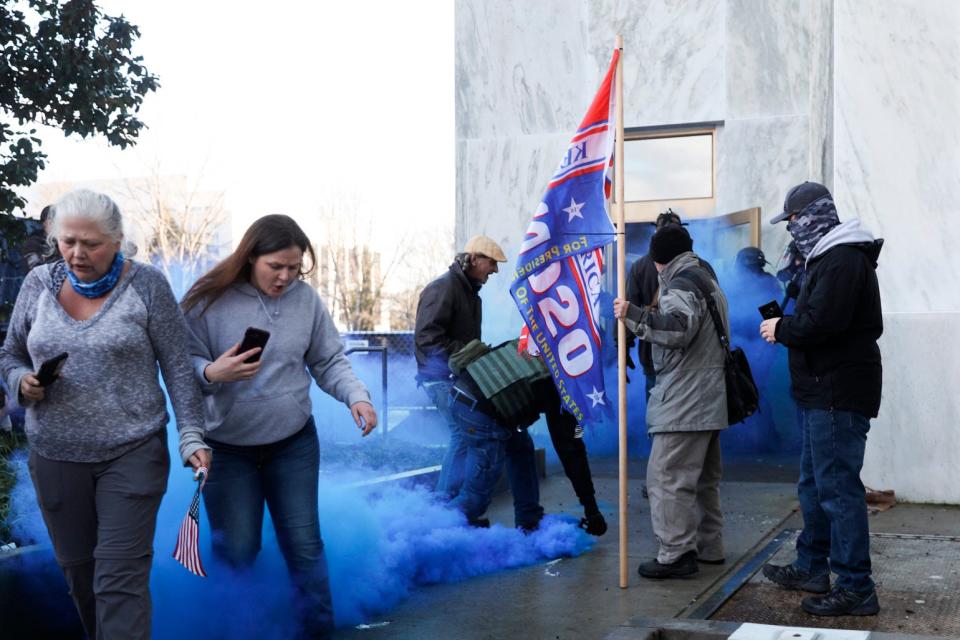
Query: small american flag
(187,551)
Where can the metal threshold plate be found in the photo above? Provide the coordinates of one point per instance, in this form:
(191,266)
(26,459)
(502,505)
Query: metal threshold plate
(918,583)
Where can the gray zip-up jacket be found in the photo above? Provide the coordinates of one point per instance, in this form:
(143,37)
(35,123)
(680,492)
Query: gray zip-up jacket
(690,394)
(275,403)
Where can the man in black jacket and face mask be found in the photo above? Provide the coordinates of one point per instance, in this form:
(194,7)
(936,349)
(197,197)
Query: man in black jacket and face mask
(449,313)
(835,376)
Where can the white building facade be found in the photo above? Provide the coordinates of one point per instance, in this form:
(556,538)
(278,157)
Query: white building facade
(862,96)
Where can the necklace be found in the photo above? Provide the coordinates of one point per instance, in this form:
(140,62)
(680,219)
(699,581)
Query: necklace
(276,308)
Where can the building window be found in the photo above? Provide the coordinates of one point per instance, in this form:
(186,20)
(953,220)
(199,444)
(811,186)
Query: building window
(670,167)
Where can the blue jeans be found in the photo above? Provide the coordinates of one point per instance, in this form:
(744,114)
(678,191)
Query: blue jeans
(835,532)
(451,471)
(489,446)
(284,476)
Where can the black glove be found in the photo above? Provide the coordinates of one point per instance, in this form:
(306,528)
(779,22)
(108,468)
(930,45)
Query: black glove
(594,524)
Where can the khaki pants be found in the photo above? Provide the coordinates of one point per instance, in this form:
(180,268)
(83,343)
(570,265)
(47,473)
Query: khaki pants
(683,482)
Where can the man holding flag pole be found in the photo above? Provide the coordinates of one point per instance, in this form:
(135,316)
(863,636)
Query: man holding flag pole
(559,270)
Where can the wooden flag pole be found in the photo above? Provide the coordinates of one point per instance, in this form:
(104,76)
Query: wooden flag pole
(621,327)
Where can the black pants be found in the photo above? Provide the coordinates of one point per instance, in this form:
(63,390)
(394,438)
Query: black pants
(570,449)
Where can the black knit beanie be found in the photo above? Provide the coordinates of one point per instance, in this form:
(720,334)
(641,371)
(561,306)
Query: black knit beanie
(669,242)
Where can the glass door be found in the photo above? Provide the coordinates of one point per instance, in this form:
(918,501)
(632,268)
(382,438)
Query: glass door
(716,239)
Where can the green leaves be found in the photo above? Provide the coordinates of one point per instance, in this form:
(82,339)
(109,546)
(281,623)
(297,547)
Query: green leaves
(73,71)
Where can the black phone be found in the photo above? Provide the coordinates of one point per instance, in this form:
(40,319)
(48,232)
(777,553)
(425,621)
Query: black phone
(254,338)
(771,310)
(50,369)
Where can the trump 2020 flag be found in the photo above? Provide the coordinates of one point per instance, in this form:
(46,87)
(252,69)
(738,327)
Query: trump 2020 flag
(187,551)
(559,270)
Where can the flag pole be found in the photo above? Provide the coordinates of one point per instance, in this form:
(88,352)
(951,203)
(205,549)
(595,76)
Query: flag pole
(621,327)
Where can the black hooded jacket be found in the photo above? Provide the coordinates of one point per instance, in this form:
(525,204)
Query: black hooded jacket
(448,317)
(832,335)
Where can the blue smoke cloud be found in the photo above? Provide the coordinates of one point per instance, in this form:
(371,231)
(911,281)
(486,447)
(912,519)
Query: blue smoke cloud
(382,543)
(25,520)
(774,428)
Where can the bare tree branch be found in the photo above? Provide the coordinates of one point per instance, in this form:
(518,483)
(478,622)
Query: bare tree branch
(180,223)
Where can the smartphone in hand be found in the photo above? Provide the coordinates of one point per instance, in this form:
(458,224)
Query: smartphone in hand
(251,339)
(771,310)
(50,369)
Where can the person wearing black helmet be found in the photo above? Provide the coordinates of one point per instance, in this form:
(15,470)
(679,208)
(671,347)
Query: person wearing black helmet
(752,282)
(790,269)
(835,372)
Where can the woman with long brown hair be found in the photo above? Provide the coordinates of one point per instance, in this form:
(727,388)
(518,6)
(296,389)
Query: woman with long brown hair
(258,413)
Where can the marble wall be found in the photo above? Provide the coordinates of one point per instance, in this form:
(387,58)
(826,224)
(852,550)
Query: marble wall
(898,168)
(673,57)
(898,143)
(525,70)
(520,67)
(913,447)
(859,95)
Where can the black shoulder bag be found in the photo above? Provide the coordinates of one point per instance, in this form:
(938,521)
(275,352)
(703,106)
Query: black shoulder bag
(743,398)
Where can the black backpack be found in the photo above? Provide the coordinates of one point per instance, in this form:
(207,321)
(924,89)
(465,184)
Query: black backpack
(743,398)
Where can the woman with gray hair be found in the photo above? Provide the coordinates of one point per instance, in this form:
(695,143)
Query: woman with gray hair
(97,431)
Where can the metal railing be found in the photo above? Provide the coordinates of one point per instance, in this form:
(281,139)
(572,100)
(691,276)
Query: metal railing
(383,373)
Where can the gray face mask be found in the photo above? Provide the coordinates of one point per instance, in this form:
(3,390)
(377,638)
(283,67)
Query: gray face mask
(812,223)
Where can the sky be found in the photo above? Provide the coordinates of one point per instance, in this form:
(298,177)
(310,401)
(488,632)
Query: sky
(291,106)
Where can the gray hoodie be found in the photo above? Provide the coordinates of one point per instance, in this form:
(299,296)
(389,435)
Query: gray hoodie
(275,403)
(848,232)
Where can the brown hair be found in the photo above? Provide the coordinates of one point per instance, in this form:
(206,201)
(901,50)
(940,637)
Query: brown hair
(267,235)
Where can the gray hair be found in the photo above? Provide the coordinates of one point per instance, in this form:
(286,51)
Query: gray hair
(90,205)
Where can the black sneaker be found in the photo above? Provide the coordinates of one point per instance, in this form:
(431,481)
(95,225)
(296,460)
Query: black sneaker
(684,566)
(840,602)
(529,527)
(789,577)
(594,524)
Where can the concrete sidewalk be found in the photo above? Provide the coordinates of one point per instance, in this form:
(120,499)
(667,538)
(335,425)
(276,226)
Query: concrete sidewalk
(579,597)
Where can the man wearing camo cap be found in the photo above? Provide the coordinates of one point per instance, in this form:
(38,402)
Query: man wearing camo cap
(835,374)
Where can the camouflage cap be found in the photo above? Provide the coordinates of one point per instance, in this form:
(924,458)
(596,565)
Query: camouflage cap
(799,197)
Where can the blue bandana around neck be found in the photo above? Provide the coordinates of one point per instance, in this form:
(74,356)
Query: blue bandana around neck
(101,286)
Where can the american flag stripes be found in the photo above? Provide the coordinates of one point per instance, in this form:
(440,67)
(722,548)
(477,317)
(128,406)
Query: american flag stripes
(187,551)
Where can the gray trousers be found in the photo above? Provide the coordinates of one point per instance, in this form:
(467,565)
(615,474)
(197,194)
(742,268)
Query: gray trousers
(101,518)
(683,481)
